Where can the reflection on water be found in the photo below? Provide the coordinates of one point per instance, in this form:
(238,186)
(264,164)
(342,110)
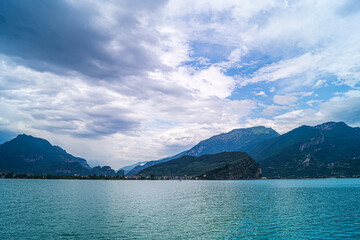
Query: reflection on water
(259,209)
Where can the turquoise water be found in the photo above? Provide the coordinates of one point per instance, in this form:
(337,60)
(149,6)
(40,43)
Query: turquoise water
(259,209)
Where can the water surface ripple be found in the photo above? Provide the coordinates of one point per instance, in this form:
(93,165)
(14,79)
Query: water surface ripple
(258,209)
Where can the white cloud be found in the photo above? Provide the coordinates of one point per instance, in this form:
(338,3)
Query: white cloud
(157,103)
(312,102)
(210,82)
(344,107)
(273,109)
(119,128)
(319,83)
(261,93)
(285,99)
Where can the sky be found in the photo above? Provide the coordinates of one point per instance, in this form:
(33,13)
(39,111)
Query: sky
(117,82)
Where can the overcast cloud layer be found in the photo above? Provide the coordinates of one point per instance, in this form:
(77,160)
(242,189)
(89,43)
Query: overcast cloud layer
(118,82)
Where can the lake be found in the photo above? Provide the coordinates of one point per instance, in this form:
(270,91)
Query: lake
(250,209)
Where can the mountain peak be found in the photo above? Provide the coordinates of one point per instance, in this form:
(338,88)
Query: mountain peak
(256,128)
(245,131)
(28,140)
(23,135)
(330,125)
(236,140)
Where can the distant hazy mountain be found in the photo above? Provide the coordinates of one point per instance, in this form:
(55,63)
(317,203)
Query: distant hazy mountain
(105,171)
(242,139)
(138,168)
(329,149)
(128,168)
(225,165)
(27,154)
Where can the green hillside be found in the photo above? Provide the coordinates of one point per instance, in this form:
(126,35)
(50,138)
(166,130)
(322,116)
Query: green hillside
(226,165)
(329,149)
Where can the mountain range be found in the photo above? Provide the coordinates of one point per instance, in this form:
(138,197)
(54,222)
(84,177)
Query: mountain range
(31,155)
(330,149)
(242,139)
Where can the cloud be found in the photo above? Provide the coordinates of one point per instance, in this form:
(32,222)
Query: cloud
(285,99)
(97,40)
(319,83)
(273,109)
(334,108)
(122,81)
(345,107)
(261,93)
(206,82)
(350,7)
(312,102)
(339,59)
(64,105)
(141,127)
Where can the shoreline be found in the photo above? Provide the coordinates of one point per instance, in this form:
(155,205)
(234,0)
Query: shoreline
(138,178)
